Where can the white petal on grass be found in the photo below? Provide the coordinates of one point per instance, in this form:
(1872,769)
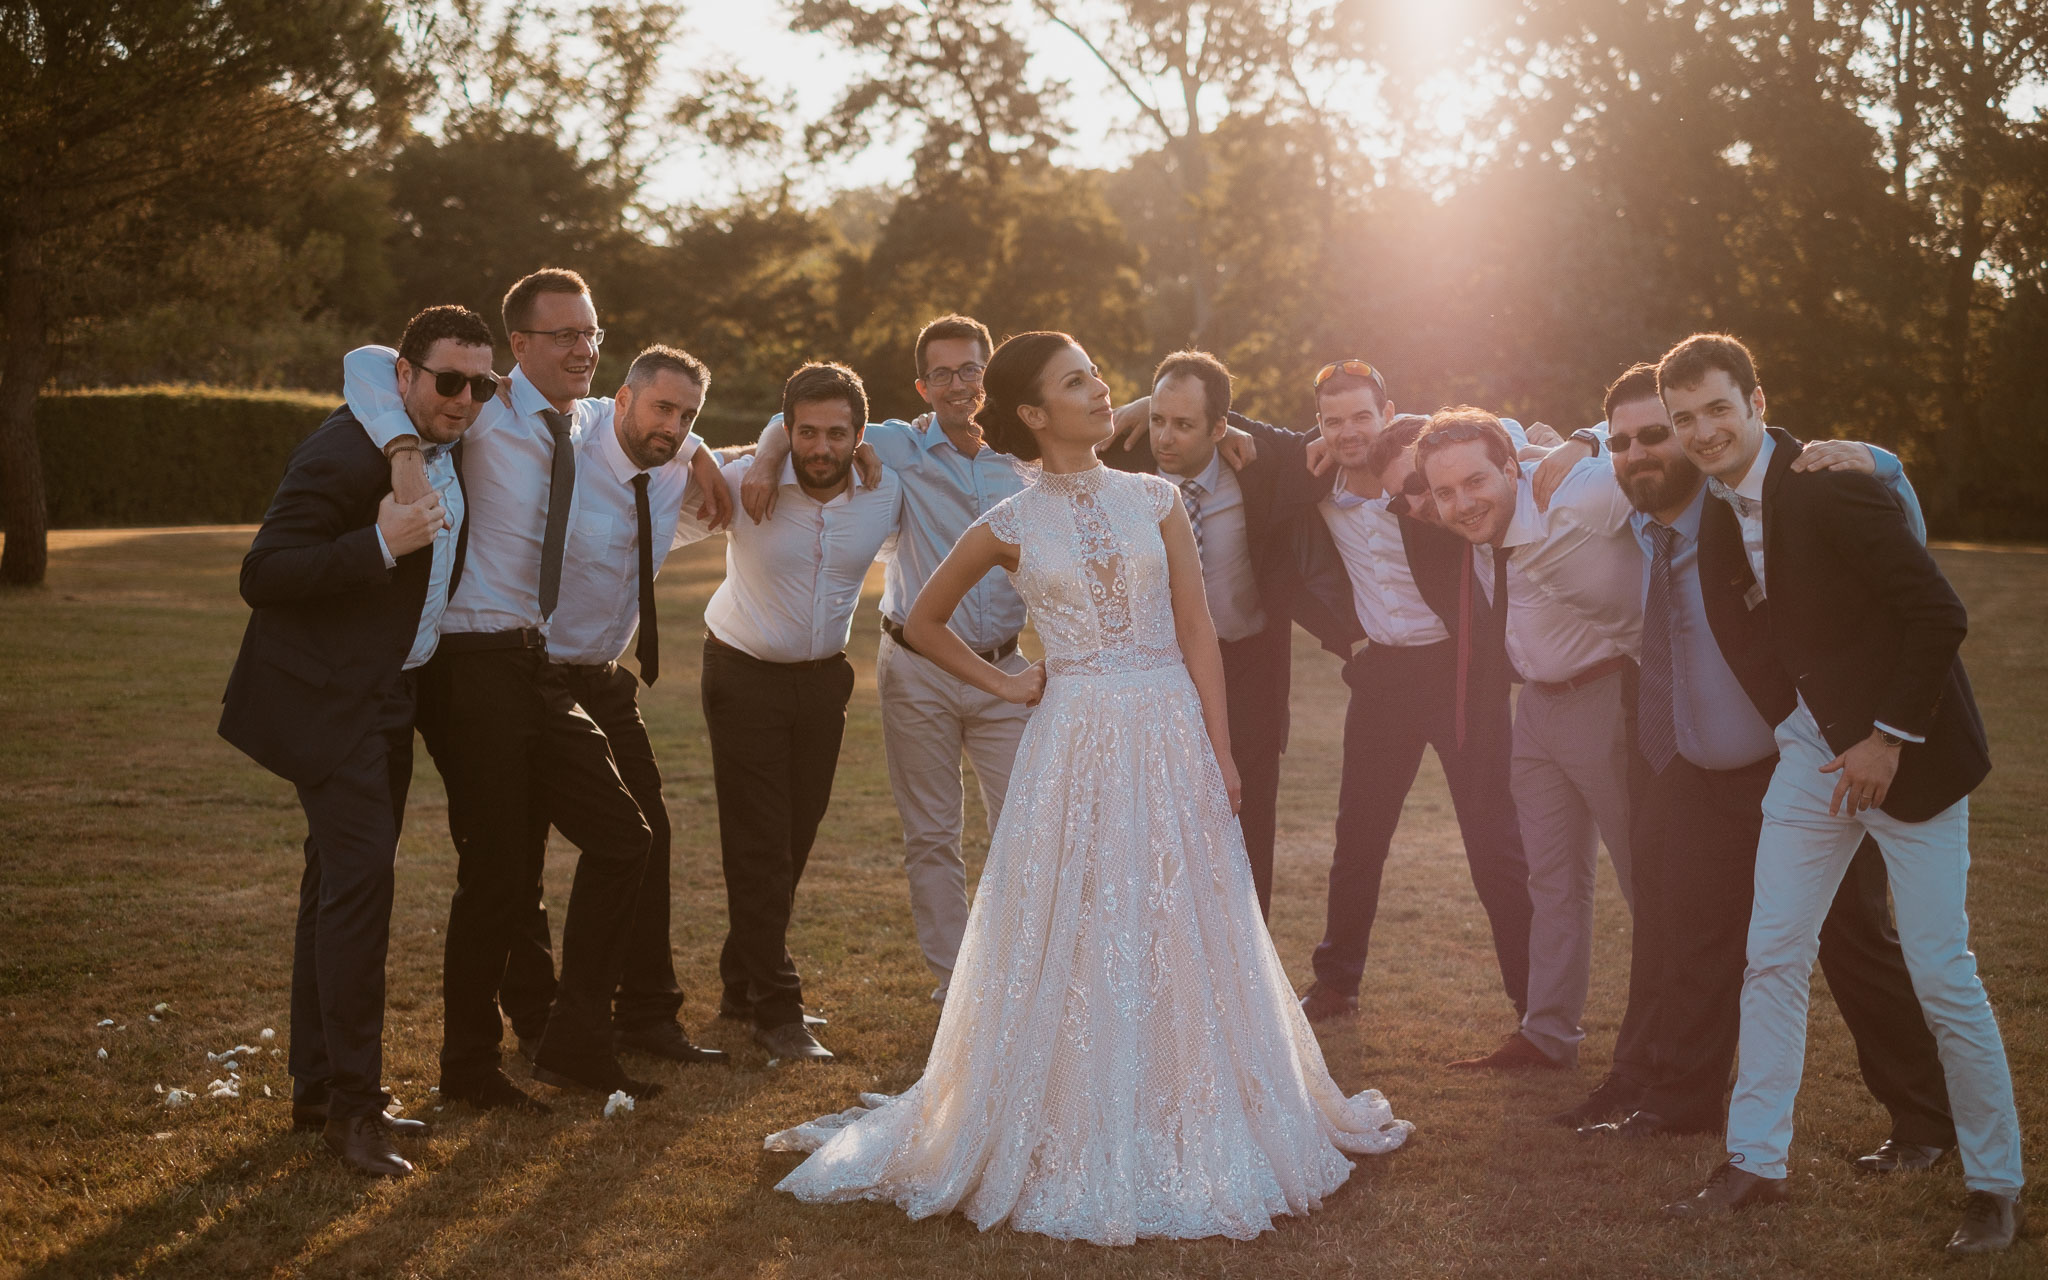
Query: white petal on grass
(618,1104)
(103,1055)
(105,1022)
(177,1098)
(162,1007)
(268,1035)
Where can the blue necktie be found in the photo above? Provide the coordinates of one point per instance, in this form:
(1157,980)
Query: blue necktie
(1656,718)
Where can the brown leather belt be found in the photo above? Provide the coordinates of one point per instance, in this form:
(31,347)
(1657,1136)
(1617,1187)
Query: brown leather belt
(1598,671)
(990,656)
(482,641)
(807,664)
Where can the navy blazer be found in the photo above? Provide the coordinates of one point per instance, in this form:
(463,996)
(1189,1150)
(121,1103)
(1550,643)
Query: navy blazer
(331,626)
(1859,620)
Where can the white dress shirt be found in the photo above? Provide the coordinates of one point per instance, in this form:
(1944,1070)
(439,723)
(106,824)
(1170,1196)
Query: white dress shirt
(599,606)
(1575,575)
(1750,513)
(1227,573)
(793,581)
(506,466)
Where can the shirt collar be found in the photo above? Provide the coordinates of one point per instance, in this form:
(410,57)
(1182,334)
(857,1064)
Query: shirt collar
(1752,486)
(614,453)
(527,400)
(1527,524)
(1342,498)
(1687,526)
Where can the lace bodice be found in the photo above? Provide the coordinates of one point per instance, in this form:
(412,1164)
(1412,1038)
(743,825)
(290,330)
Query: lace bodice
(1092,569)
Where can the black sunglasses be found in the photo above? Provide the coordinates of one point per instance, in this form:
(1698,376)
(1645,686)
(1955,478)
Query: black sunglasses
(1403,503)
(448,383)
(1655,433)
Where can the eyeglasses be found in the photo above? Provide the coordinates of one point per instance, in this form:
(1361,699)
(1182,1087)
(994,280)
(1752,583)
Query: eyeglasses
(567,338)
(1655,433)
(448,383)
(1358,368)
(967,373)
(1404,503)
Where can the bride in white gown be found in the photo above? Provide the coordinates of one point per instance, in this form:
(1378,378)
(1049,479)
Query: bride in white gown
(1122,1055)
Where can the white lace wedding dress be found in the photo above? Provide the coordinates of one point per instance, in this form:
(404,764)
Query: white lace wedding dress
(1122,1055)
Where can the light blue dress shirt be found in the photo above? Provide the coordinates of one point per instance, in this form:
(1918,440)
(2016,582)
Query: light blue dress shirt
(440,464)
(1718,726)
(945,491)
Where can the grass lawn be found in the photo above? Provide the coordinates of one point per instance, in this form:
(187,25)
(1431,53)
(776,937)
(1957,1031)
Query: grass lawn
(142,860)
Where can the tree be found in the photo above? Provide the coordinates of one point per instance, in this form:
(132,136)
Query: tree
(106,108)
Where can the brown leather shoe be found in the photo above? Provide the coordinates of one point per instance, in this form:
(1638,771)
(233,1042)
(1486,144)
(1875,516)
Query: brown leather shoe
(365,1146)
(309,1116)
(1991,1222)
(1516,1053)
(1730,1188)
(1321,1003)
(1893,1156)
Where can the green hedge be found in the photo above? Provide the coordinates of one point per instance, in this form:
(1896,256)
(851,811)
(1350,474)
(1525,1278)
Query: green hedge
(197,455)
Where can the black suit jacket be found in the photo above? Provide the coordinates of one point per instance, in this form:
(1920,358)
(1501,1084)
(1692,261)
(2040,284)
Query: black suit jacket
(332,626)
(1859,620)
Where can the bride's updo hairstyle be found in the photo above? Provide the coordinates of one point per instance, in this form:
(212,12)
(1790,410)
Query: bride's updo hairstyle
(1011,380)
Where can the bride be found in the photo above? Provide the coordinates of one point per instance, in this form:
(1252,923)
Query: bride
(1122,1055)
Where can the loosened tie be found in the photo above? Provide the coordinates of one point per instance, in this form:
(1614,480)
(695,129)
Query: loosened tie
(1191,497)
(1656,714)
(648,648)
(561,491)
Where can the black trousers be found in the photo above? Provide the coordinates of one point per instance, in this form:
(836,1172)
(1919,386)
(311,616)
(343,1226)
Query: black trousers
(517,754)
(1256,673)
(1699,852)
(775,731)
(353,817)
(648,992)
(1402,700)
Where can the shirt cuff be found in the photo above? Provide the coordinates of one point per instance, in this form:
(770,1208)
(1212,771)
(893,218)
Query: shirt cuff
(384,549)
(1882,727)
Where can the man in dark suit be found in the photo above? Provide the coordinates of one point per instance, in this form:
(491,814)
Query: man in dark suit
(348,587)
(1251,570)
(1877,733)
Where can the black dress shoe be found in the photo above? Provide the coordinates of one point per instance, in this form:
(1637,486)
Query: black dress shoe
(731,1012)
(667,1040)
(308,1116)
(1321,1003)
(527,1046)
(1613,1099)
(1893,1156)
(494,1092)
(1730,1188)
(365,1146)
(792,1040)
(597,1077)
(1991,1222)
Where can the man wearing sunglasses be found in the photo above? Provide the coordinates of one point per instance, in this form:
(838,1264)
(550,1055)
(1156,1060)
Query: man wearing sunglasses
(516,750)
(1704,758)
(350,589)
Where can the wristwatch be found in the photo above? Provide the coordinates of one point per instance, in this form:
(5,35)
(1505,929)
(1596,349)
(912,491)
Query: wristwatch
(1889,739)
(1588,437)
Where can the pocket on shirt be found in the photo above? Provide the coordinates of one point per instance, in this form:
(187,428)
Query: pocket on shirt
(600,531)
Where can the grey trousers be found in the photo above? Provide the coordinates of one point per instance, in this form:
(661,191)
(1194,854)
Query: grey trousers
(1570,781)
(928,720)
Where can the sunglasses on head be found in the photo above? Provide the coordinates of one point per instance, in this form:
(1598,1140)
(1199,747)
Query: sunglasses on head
(1358,368)
(448,383)
(1655,433)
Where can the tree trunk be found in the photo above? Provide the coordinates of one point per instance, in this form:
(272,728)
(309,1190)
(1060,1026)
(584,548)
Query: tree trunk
(23,513)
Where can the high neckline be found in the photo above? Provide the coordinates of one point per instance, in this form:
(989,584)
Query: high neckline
(1072,483)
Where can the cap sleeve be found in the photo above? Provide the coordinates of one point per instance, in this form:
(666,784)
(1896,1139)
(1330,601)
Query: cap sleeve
(1162,494)
(1002,521)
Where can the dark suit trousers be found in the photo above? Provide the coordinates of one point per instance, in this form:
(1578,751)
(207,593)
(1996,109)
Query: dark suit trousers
(1255,683)
(775,731)
(1402,700)
(517,754)
(353,817)
(1701,828)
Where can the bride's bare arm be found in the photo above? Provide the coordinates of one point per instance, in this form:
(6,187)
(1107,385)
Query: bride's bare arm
(978,551)
(1196,631)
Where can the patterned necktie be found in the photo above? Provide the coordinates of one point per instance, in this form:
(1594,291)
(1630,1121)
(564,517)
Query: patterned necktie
(1656,715)
(1191,497)
(648,648)
(561,490)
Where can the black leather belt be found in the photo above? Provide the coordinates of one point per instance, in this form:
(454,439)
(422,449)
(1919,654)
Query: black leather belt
(588,670)
(990,656)
(807,664)
(481,641)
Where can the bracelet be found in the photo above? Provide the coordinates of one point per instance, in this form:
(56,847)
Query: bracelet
(398,447)
(1889,739)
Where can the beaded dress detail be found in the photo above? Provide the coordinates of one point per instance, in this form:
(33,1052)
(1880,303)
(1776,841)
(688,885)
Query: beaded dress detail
(1122,1055)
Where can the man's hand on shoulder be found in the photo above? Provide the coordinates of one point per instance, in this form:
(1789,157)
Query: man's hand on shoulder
(1556,465)
(1238,448)
(1836,455)
(1126,423)
(716,510)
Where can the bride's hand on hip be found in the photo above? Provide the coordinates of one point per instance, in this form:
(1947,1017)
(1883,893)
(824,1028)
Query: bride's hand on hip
(1232,784)
(1026,686)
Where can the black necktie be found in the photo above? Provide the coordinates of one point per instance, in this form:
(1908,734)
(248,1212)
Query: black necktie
(561,489)
(1656,716)
(1497,650)
(648,648)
